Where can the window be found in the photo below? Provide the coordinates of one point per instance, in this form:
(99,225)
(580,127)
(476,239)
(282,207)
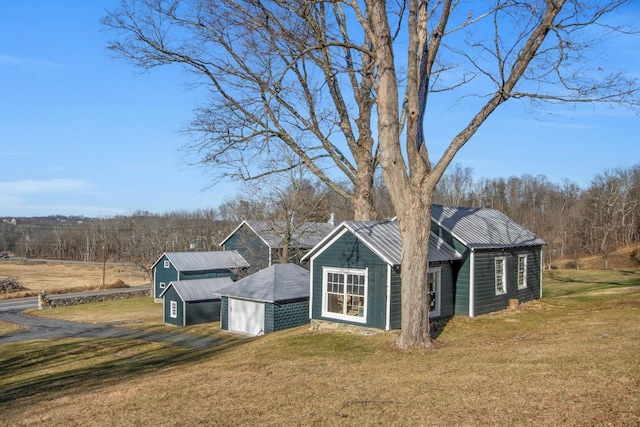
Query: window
(345,294)
(162,285)
(167,264)
(433,288)
(522,271)
(174,309)
(501,276)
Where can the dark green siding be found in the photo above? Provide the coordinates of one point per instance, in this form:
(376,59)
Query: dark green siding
(485,297)
(446,289)
(462,280)
(164,275)
(202,312)
(224,313)
(446,294)
(395,321)
(172,295)
(461,272)
(349,252)
(251,247)
(283,316)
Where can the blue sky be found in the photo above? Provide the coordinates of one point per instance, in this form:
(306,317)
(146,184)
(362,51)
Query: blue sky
(84,134)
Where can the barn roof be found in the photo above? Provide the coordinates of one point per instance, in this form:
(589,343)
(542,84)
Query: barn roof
(205,261)
(280,282)
(383,238)
(199,289)
(272,233)
(483,227)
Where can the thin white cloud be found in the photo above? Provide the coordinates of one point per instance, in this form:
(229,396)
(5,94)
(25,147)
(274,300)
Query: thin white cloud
(24,198)
(16,61)
(13,188)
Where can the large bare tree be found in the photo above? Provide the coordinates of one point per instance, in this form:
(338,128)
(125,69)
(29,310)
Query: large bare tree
(325,79)
(527,50)
(282,76)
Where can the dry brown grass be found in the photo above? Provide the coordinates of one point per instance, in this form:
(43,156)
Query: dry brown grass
(70,277)
(570,359)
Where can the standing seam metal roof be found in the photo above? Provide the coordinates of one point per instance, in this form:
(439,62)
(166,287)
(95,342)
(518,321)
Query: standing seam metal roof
(205,261)
(483,227)
(199,289)
(383,237)
(304,235)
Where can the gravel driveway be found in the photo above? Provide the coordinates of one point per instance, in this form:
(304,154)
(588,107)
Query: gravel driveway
(40,328)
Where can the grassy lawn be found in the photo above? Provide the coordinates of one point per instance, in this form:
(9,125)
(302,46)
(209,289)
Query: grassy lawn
(569,359)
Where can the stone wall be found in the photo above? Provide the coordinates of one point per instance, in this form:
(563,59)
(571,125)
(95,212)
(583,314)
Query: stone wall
(52,301)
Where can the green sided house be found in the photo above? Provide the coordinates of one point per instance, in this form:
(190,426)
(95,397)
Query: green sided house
(502,260)
(355,275)
(189,302)
(179,266)
(262,243)
(479,259)
(270,300)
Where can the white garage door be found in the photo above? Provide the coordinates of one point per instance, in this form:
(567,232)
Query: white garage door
(246,316)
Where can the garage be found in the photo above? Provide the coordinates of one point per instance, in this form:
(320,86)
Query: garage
(246,316)
(270,300)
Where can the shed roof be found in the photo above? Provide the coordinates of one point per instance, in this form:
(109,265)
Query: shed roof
(205,261)
(383,238)
(272,233)
(280,282)
(199,289)
(483,227)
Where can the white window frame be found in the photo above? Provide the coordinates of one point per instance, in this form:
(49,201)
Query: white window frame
(173,309)
(167,263)
(522,271)
(437,271)
(500,277)
(325,294)
(162,285)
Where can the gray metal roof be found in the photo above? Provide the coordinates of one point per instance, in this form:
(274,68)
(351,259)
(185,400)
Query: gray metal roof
(206,261)
(280,282)
(304,235)
(199,289)
(383,238)
(483,227)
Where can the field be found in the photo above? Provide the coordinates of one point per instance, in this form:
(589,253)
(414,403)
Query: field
(57,277)
(570,359)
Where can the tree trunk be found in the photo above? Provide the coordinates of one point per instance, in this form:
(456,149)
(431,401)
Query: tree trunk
(362,199)
(415,228)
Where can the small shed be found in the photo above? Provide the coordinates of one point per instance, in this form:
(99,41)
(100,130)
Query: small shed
(270,300)
(189,302)
(173,266)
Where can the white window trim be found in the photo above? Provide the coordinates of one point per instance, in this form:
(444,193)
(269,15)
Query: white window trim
(331,315)
(504,275)
(173,310)
(163,285)
(522,285)
(438,311)
(167,263)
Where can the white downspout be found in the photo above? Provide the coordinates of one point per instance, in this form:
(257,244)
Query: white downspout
(388,317)
(472,273)
(541,267)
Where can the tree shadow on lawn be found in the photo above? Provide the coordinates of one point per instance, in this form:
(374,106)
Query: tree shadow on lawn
(53,356)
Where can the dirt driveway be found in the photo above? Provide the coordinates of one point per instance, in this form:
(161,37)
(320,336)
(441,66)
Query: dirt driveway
(39,328)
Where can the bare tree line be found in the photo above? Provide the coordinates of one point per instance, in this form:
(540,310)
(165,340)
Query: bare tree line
(573,221)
